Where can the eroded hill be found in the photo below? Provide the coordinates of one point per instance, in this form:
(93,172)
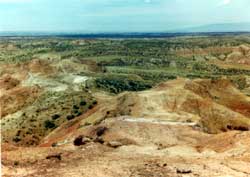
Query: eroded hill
(159,107)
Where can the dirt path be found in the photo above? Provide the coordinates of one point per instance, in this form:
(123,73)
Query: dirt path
(155,121)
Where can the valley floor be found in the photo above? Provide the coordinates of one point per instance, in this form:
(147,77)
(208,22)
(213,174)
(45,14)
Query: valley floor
(174,107)
(136,148)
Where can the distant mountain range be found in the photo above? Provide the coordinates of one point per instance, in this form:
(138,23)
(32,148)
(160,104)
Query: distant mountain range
(213,29)
(224,27)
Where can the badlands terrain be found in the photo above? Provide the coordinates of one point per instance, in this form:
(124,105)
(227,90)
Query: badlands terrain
(168,107)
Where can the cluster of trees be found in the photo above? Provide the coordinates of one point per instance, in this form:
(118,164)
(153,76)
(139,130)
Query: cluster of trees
(120,84)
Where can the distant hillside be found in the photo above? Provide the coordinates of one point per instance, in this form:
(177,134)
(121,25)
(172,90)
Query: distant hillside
(218,29)
(226,27)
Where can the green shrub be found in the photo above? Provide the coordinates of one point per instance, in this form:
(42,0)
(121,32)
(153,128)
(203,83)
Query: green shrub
(16,139)
(78,113)
(83,103)
(70,117)
(48,124)
(55,116)
(76,107)
(119,84)
(94,102)
(87,123)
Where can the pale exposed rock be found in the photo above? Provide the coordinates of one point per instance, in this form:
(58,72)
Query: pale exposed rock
(114,144)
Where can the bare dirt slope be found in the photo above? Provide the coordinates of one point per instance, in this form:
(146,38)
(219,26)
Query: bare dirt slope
(160,132)
(236,54)
(217,105)
(131,148)
(37,96)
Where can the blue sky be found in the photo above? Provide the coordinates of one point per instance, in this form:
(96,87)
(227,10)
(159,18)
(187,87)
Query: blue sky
(118,15)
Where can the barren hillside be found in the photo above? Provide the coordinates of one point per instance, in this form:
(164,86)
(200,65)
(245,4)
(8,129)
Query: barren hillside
(125,107)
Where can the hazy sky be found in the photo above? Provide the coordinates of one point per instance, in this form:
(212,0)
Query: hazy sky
(118,15)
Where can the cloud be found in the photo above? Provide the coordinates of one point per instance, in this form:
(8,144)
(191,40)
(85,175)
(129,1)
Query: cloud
(225,2)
